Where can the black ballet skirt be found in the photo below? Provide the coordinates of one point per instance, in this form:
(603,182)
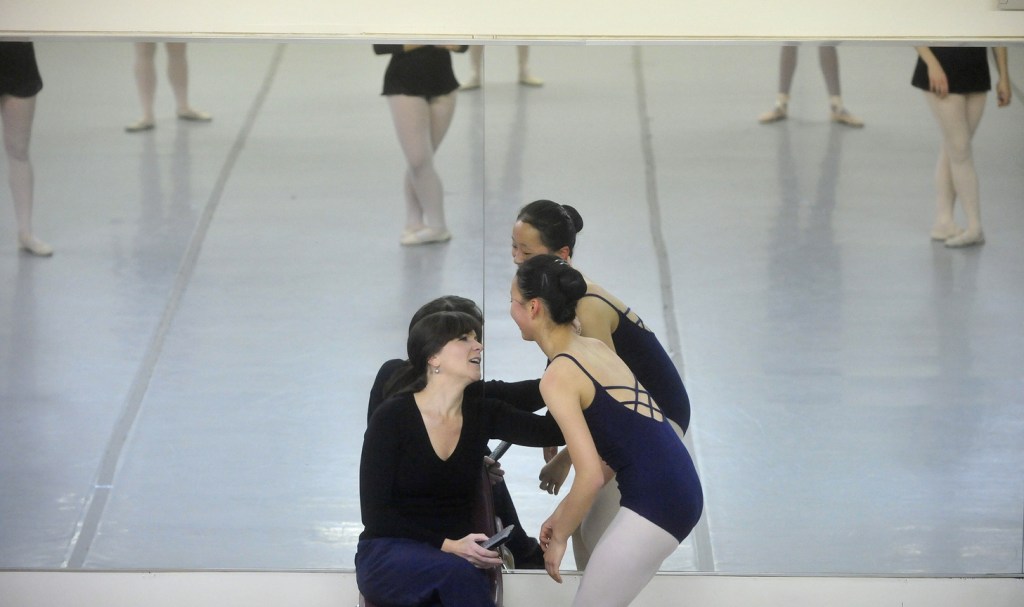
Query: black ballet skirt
(19,74)
(966,69)
(422,72)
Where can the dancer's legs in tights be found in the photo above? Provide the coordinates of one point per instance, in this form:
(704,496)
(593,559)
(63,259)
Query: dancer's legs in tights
(629,554)
(17,114)
(955,175)
(145,77)
(421,125)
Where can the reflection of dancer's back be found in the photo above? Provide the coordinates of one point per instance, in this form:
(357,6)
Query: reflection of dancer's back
(19,83)
(419,83)
(829,59)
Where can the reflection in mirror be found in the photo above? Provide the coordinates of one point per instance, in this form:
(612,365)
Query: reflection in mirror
(183,384)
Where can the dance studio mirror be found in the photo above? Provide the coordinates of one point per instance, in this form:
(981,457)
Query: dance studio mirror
(187,376)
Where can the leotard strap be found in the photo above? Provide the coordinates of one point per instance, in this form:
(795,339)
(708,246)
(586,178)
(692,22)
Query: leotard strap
(638,322)
(640,402)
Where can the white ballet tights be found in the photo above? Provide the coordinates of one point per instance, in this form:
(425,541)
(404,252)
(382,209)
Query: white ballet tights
(828,57)
(421,125)
(17,114)
(595,523)
(145,75)
(630,552)
(958,117)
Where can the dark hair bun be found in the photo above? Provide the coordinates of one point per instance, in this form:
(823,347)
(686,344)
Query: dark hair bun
(574,215)
(570,282)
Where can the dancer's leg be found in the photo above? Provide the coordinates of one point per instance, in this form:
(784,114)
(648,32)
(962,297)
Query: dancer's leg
(420,126)
(145,82)
(595,523)
(525,77)
(177,74)
(958,116)
(17,115)
(828,57)
(476,60)
(629,554)
(787,67)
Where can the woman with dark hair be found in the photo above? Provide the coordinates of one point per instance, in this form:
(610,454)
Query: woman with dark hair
(547,227)
(523,395)
(956,81)
(612,426)
(420,472)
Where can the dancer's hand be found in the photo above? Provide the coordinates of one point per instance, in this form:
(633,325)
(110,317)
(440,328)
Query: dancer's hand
(937,81)
(553,475)
(1003,92)
(554,550)
(469,548)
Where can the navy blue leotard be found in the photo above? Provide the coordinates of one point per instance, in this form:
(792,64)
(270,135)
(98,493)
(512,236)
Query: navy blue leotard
(656,476)
(640,349)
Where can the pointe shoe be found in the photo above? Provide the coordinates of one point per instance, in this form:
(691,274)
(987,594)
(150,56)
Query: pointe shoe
(779,112)
(34,246)
(425,235)
(194,115)
(946,231)
(843,116)
(139,126)
(528,80)
(471,85)
(967,239)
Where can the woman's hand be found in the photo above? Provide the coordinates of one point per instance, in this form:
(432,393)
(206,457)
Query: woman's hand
(494,470)
(469,548)
(554,549)
(553,475)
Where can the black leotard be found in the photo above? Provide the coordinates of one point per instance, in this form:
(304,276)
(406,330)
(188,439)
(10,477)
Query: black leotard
(966,69)
(422,72)
(19,73)
(656,476)
(640,349)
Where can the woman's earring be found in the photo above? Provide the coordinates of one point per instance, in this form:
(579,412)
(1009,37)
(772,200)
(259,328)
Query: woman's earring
(437,369)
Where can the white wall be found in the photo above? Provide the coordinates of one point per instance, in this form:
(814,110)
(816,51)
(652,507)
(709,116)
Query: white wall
(338,589)
(593,21)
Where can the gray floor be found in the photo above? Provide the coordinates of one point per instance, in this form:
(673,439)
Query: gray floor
(183,384)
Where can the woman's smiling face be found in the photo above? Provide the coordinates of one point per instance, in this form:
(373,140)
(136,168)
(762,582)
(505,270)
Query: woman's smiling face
(526,242)
(461,357)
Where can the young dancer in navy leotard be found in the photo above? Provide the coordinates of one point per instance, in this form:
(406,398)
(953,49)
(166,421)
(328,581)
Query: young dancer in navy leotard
(543,227)
(612,426)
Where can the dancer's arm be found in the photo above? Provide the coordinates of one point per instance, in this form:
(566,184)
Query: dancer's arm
(563,389)
(937,81)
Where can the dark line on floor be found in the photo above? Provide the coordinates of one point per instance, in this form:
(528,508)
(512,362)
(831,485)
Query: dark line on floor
(703,552)
(96,503)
